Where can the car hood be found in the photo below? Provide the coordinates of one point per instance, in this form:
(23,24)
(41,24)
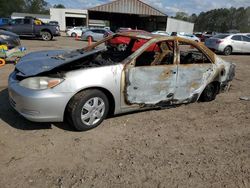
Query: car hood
(3,32)
(44,61)
(10,39)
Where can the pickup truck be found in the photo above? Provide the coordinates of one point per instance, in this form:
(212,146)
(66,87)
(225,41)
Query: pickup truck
(31,28)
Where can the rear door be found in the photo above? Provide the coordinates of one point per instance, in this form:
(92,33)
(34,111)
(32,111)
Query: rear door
(152,79)
(27,27)
(237,43)
(195,70)
(99,34)
(246,44)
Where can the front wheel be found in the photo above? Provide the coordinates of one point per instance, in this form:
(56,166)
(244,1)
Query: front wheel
(209,93)
(46,35)
(73,35)
(88,109)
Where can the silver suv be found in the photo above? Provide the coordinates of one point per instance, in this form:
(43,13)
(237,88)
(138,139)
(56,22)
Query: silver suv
(229,43)
(95,34)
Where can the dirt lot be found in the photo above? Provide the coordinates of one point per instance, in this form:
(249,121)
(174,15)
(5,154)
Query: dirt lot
(197,145)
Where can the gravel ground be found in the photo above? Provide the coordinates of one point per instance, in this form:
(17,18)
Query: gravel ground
(195,145)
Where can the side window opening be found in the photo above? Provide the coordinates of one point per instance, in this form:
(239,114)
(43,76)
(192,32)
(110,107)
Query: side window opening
(161,53)
(246,39)
(17,21)
(26,21)
(236,37)
(189,54)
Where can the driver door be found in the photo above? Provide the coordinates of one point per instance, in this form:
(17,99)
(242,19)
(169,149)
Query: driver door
(152,79)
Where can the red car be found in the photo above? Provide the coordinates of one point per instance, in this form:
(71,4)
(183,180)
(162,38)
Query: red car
(122,42)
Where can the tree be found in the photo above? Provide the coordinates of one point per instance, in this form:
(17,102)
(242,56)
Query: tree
(7,7)
(59,6)
(36,6)
(181,16)
(220,20)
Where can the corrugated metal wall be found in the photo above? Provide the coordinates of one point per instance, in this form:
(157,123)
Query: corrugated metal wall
(174,25)
(128,7)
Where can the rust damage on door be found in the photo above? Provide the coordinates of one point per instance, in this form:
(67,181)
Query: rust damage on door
(150,85)
(166,85)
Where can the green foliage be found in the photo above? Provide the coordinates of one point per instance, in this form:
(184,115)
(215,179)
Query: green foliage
(7,7)
(220,20)
(182,16)
(59,6)
(36,6)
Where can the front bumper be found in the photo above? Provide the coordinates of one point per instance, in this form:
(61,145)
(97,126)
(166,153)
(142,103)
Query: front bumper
(37,105)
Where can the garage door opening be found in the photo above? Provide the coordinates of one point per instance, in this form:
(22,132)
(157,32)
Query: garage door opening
(129,13)
(71,21)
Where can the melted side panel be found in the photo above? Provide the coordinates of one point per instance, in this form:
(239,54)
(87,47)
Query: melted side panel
(150,84)
(191,80)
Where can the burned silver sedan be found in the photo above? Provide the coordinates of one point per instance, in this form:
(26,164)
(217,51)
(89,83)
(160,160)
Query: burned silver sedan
(85,86)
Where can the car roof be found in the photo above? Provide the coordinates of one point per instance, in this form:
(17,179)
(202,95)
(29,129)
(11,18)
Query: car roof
(150,36)
(154,39)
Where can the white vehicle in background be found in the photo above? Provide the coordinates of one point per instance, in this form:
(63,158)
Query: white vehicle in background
(164,33)
(95,34)
(75,31)
(186,36)
(229,43)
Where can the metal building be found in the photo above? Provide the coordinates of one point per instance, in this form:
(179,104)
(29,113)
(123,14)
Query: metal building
(174,25)
(69,17)
(129,13)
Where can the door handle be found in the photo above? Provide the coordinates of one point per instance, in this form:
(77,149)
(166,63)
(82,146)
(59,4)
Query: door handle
(170,95)
(171,71)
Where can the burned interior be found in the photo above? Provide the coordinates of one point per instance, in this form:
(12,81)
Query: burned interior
(191,55)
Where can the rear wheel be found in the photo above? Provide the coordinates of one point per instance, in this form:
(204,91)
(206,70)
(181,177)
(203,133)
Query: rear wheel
(88,109)
(209,93)
(227,50)
(90,38)
(46,35)
(73,35)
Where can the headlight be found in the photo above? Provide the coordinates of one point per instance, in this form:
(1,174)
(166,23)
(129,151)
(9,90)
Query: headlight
(40,82)
(5,37)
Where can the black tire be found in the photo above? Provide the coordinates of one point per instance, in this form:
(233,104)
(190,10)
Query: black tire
(73,34)
(209,93)
(46,35)
(90,38)
(80,117)
(228,50)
